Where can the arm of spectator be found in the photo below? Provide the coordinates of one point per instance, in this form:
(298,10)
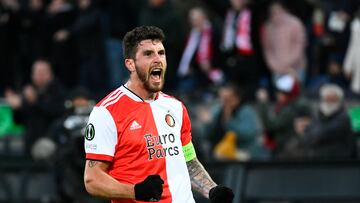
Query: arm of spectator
(296,51)
(30,94)
(13,99)
(99,183)
(269,54)
(52,105)
(350,56)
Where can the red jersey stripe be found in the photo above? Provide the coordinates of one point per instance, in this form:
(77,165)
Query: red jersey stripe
(100,157)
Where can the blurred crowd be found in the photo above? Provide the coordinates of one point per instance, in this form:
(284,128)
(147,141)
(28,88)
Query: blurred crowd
(263,79)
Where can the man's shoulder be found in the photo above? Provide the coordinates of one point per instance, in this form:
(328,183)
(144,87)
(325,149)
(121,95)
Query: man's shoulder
(168,97)
(111,98)
(171,100)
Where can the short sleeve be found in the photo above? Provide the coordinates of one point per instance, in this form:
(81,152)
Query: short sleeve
(100,135)
(185,128)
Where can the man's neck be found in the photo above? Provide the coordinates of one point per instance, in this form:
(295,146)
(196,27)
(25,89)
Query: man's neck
(139,90)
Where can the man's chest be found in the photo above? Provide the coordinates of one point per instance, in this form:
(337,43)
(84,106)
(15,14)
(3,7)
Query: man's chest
(153,131)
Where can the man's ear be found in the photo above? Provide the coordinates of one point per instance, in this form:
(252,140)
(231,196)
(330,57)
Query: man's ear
(130,65)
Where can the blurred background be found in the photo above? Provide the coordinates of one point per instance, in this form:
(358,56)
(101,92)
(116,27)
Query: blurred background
(272,88)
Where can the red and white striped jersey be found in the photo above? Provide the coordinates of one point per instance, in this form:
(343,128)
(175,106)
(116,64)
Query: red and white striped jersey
(140,139)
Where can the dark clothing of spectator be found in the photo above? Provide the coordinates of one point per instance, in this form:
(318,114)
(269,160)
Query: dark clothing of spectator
(334,44)
(62,54)
(278,124)
(165,17)
(88,33)
(69,161)
(38,116)
(122,17)
(326,138)
(9,24)
(331,137)
(32,44)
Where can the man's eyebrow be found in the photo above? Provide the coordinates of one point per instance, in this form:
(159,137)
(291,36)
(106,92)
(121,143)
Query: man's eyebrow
(147,51)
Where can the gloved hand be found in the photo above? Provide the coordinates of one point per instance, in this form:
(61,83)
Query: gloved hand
(150,189)
(221,194)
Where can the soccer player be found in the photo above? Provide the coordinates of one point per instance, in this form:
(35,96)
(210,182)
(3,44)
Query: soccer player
(138,139)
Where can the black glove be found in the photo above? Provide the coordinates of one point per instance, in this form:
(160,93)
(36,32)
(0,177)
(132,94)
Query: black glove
(221,194)
(150,189)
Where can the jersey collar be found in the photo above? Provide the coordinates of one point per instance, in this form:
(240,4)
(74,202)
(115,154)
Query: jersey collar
(124,88)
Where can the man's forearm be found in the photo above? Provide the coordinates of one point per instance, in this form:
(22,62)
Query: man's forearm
(200,179)
(99,183)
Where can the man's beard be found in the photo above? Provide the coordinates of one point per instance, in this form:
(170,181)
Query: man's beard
(145,78)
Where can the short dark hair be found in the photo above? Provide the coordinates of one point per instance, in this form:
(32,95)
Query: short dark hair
(235,88)
(138,34)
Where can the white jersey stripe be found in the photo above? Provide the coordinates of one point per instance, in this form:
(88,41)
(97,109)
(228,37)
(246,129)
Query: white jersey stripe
(176,169)
(111,96)
(114,97)
(114,101)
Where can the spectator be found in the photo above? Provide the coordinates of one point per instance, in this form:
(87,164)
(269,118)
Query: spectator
(335,41)
(278,121)
(233,122)
(329,135)
(284,43)
(237,46)
(88,33)
(198,65)
(67,134)
(33,32)
(352,60)
(122,17)
(9,24)
(60,14)
(40,102)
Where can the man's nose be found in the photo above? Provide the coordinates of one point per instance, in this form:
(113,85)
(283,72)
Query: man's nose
(157,57)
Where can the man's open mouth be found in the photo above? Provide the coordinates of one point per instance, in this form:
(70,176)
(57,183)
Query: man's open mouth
(156,74)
